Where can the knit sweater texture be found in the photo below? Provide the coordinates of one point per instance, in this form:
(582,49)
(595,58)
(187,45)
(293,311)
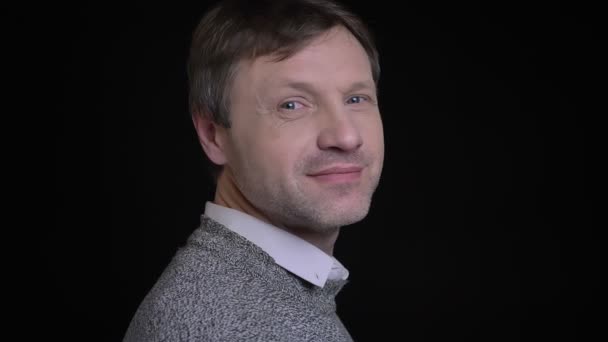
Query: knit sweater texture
(221,287)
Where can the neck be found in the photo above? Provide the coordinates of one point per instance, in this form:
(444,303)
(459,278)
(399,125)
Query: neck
(228,195)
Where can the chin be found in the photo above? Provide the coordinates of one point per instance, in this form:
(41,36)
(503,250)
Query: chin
(338,216)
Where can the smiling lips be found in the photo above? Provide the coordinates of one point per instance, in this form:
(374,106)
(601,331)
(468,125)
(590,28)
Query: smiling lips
(338,174)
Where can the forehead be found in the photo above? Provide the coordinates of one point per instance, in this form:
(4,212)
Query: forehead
(334,56)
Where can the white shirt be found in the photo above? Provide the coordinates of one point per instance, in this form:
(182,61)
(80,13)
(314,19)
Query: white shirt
(289,251)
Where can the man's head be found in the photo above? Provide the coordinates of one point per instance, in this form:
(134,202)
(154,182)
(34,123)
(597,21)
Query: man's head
(283,96)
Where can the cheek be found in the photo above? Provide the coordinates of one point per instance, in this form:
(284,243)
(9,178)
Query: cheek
(279,156)
(381,138)
(263,158)
(283,151)
(373,133)
(244,153)
(274,150)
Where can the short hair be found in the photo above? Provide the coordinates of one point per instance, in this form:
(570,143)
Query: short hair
(236,30)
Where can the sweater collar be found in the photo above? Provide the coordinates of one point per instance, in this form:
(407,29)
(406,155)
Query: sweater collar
(289,251)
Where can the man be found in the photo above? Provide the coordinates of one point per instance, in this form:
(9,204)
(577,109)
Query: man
(283,98)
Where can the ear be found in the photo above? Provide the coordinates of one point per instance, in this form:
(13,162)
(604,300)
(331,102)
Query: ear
(212,137)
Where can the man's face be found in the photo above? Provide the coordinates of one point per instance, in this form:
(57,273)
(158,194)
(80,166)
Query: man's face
(306,142)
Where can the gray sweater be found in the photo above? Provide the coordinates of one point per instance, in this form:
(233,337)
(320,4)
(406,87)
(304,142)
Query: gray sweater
(221,287)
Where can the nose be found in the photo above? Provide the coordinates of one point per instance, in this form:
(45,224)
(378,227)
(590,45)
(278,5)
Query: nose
(339,132)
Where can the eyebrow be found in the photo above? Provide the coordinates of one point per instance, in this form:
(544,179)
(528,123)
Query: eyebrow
(310,88)
(302,86)
(362,85)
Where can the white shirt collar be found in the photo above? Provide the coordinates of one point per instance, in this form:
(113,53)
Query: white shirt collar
(289,251)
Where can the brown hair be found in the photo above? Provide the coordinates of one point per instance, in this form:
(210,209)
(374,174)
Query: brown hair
(236,30)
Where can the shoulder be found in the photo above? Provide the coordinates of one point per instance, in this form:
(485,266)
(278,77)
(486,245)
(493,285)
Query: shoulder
(199,295)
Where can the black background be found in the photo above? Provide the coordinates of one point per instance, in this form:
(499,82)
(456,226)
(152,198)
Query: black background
(481,228)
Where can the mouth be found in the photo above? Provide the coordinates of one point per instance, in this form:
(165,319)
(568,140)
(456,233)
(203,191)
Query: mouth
(338,174)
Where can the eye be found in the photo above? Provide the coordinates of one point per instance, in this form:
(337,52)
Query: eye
(291,105)
(356,99)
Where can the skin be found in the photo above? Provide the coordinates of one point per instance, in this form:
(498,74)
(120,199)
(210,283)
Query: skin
(292,120)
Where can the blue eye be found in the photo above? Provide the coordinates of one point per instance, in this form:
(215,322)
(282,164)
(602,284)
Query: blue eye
(291,105)
(355,99)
